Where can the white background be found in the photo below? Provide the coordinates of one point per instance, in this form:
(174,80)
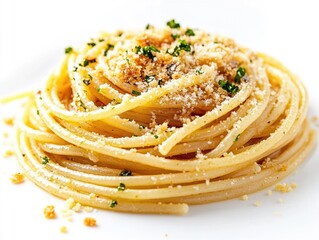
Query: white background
(33,35)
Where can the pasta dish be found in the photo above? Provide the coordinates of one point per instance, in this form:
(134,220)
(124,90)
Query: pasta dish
(155,120)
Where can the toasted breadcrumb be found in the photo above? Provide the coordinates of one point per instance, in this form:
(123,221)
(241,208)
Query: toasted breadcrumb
(17,178)
(9,121)
(63,229)
(284,187)
(8,153)
(244,197)
(257,203)
(89,222)
(49,212)
(269,192)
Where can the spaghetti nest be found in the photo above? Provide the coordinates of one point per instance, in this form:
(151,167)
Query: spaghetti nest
(154,120)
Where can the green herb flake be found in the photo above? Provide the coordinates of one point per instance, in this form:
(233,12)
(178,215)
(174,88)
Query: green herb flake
(227,86)
(92,44)
(199,71)
(45,160)
(108,48)
(68,50)
(147,26)
(121,187)
(126,173)
(75,68)
(173,24)
(113,204)
(239,74)
(175,36)
(141,127)
(237,137)
(146,51)
(101,40)
(87,82)
(38,112)
(189,32)
(136,93)
(183,45)
(149,79)
(85,63)
(98,90)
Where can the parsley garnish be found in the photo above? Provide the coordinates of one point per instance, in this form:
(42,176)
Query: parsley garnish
(237,137)
(81,103)
(109,47)
(173,24)
(146,51)
(175,36)
(183,45)
(190,32)
(121,187)
(230,88)
(149,79)
(101,40)
(85,63)
(45,160)
(75,68)
(126,173)
(92,44)
(147,26)
(136,93)
(38,112)
(98,90)
(68,50)
(199,71)
(113,204)
(239,74)
(87,82)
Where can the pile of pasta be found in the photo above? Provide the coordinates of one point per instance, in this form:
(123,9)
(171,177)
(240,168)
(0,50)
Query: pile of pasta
(155,120)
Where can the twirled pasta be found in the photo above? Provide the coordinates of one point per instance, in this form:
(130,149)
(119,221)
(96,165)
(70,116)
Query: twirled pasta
(152,121)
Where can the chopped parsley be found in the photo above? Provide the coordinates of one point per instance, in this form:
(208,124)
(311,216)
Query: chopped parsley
(147,26)
(85,63)
(38,112)
(98,90)
(121,187)
(237,137)
(239,74)
(108,48)
(136,93)
(126,173)
(183,45)
(189,32)
(87,82)
(45,160)
(92,44)
(175,36)
(101,40)
(146,51)
(160,82)
(149,79)
(75,68)
(173,24)
(227,86)
(113,204)
(141,127)
(81,103)
(199,71)
(154,135)
(68,50)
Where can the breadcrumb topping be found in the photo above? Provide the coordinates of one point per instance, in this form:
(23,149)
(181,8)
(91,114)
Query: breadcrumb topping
(49,212)
(285,187)
(89,222)
(17,178)
(63,229)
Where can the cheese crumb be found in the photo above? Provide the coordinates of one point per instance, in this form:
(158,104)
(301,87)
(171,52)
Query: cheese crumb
(244,197)
(269,192)
(284,187)
(89,222)
(49,212)
(63,229)
(17,178)
(8,153)
(280,200)
(88,209)
(9,121)
(257,203)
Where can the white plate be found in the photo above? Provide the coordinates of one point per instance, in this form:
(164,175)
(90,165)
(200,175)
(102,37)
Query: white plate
(32,40)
